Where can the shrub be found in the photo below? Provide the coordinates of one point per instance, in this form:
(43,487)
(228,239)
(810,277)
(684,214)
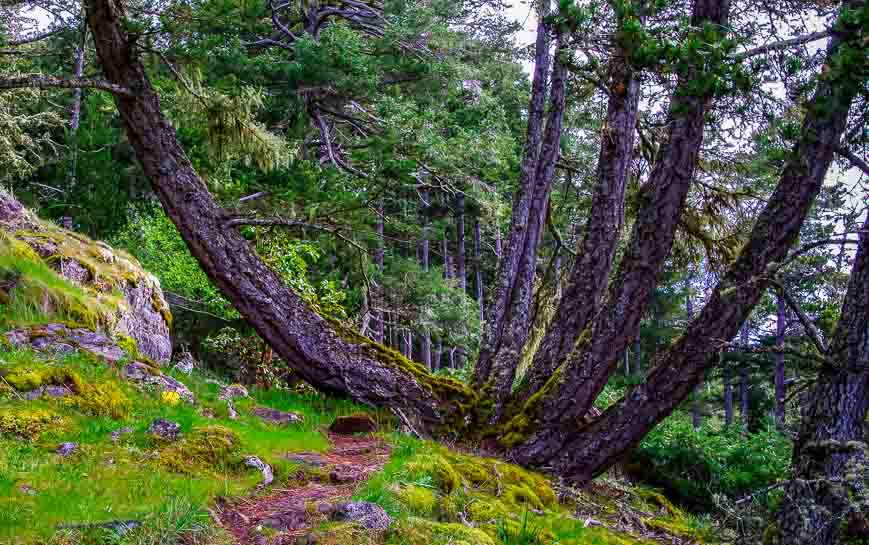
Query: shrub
(694,465)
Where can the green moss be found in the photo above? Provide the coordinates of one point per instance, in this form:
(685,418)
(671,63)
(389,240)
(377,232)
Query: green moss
(102,399)
(436,468)
(344,533)
(210,448)
(31,375)
(417,530)
(28,423)
(420,500)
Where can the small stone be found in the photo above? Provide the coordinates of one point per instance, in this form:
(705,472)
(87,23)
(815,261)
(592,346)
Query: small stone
(186,364)
(164,429)
(355,423)
(116,435)
(50,391)
(264,468)
(233,391)
(66,449)
(369,515)
(278,417)
(308,458)
(295,517)
(325,508)
(344,475)
(207,413)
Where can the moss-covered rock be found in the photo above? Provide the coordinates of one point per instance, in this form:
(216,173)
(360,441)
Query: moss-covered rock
(58,274)
(209,448)
(27,423)
(101,399)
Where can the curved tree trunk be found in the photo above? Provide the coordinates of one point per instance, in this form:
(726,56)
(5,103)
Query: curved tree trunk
(829,460)
(325,354)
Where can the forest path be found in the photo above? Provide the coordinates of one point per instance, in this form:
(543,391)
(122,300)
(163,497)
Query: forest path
(308,497)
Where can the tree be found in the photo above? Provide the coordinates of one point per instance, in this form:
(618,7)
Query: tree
(543,428)
(829,463)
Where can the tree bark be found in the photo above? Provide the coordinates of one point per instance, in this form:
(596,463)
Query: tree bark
(779,378)
(460,242)
(378,261)
(508,264)
(573,387)
(638,355)
(588,278)
(327,355)
(743,381)
(829,460)
(518,320)
(681,366)
(478,268)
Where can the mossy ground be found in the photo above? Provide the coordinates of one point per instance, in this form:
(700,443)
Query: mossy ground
(135,477)
(438,497)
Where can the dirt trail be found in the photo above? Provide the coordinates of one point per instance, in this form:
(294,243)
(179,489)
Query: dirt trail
(324,479)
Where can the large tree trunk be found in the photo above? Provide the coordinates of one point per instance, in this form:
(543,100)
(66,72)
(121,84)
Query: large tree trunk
(508,262)
(600,444)
(829,460)
(518,319)
(588,278)
(324,353)
(572,388)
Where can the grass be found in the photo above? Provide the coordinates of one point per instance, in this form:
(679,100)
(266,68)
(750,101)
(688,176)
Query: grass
(105,481)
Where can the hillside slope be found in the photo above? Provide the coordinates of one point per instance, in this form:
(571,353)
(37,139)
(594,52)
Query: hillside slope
(98,444)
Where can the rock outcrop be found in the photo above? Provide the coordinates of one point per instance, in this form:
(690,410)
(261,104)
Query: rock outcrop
(126,300)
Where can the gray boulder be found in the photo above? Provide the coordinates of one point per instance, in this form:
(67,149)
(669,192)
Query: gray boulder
(369,515)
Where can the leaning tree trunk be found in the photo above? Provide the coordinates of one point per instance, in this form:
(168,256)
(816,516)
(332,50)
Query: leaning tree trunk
(828,481)
(324,353)
(678,370)
(572,388)
(518,320)
(588,278)
(508,257)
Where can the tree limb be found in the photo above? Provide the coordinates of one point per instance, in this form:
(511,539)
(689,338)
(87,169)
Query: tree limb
(785,44)
(36,37)
(72,83)
(853,159)
(810,328)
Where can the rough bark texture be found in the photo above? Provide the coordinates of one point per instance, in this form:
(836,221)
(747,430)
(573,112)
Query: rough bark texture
(324,354)
(508,263)
(682,365)
(573,387)
(518,319)
(829,461)
(588,278)
(779,378)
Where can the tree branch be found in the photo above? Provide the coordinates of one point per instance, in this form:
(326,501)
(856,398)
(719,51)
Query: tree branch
(36,37)
(810,328)
(72,83)
(785,44)
(853,159)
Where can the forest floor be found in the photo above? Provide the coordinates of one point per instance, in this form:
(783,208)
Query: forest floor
(322,480)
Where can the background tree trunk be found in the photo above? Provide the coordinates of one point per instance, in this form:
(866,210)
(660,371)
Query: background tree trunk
(378,261)
(478,268)
(829,460)
(743,380)
(780,361)
(726,378)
